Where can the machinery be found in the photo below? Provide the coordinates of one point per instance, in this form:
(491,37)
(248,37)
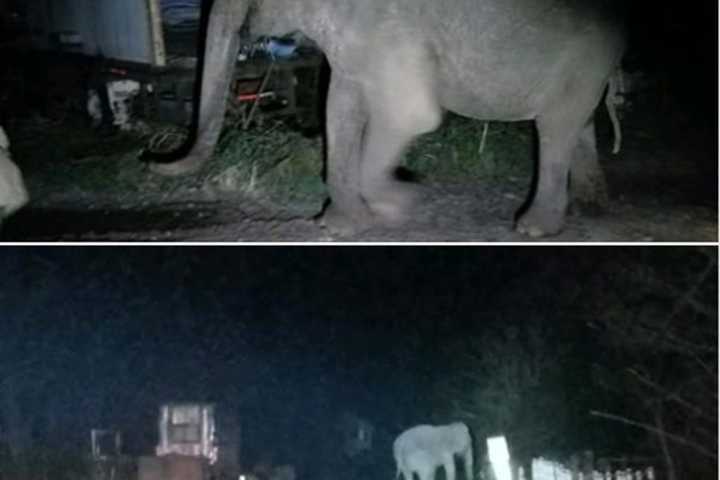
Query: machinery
(107,458)
(188,447)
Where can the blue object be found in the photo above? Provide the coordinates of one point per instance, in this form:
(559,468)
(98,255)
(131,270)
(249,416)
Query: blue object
(280,48)
(181,14)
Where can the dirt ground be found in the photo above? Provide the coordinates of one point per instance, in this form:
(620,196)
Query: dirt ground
(663,188)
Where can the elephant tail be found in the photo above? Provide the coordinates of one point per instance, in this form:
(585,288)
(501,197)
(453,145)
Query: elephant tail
(612,100)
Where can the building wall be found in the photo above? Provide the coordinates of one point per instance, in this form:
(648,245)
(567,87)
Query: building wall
(120,30)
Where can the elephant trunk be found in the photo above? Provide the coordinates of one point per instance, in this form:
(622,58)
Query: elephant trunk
(215,72)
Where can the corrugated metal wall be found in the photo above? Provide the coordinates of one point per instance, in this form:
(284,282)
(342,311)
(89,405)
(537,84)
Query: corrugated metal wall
(118,29)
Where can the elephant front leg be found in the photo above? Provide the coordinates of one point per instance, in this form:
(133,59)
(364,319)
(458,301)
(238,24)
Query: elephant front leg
(449,465)
(346,122)
(389,199)
(369,126)
(402,103)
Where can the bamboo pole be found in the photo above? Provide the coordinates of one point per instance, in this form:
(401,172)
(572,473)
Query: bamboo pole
(156,34)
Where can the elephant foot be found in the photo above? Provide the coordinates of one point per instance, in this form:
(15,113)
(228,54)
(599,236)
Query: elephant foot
(390,207)
(339,222)
(537,223)
(393,204)
(187,165)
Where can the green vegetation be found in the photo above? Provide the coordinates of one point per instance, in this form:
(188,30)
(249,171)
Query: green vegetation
(61,157)
(271,163)
(456,151)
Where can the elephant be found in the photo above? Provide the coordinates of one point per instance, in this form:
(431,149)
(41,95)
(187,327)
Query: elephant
(397,65)
(13,194)
(424,448)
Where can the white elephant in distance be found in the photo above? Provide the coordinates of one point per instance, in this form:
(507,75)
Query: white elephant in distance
(424,448)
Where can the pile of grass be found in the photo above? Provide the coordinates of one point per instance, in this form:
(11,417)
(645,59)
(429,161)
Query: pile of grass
(272,162)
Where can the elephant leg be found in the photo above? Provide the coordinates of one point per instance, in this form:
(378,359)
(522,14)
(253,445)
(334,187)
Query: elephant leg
(546,213)
(561,131)
(468,461)
(402,103)
(427,472)
(388,198)
(223,44)
(588,189)
(346,122)
(449,465)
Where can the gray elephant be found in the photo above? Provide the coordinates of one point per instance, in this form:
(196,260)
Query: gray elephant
(424,448)
(397,64)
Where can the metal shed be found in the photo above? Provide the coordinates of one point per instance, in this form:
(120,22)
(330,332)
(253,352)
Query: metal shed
(127,30)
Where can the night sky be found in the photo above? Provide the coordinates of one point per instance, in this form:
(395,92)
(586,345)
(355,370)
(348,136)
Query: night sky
(286,340)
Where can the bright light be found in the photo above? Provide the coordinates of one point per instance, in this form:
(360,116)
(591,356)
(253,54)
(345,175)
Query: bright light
(499,457)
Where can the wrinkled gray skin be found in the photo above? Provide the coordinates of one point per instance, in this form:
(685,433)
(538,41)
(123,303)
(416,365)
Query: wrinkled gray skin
(397,64)
(425,448)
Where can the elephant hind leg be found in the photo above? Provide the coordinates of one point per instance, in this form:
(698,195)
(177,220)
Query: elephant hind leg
(563,131)
(588,188)
(546,213)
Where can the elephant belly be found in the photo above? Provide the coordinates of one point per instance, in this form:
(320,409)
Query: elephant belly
(517,68)
(487,98)
(486,83)
(471,103)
